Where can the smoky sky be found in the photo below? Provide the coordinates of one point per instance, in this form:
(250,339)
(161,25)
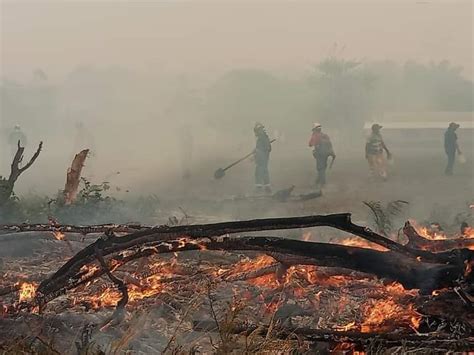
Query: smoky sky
(211,37)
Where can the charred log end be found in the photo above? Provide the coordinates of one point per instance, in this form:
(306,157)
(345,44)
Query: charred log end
(437,277)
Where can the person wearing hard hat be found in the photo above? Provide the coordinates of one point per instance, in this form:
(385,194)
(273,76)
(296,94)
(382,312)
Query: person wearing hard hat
(374,149)
(451,146)
(322,150)
(16,136)
(263,148)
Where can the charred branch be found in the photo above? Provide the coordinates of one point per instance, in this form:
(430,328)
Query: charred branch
(416,241)
(6,187)
(386,340)
(158,235)
(115,244)
(100,228)
(411,273)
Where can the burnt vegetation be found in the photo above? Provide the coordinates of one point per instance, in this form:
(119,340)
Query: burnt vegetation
(422,291)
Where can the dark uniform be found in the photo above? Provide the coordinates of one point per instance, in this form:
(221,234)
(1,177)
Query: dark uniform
(263,148)
(451,147)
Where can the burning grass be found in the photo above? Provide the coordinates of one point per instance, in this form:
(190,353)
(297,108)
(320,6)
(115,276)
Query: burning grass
(250,301)
(305,296)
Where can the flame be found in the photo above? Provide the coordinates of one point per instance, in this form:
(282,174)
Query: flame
(88,271)
(382,308)
(110,296)
(253,265)
(361,243)
(345,328)
(139,286)
(428,233)
(380,313)
(433,234)
(468,232)
(182,243)
(59,235)
(27,291)
(307,236)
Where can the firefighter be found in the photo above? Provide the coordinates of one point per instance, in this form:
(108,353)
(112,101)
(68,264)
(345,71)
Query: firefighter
(263,148)
(374,149)
(451,146)
(322,150)
(16,136)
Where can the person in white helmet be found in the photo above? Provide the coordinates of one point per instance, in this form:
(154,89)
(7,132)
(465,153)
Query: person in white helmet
(322,150)
(374,150)
(263,148)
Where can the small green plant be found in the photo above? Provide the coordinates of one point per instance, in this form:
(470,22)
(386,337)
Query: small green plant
(384,215)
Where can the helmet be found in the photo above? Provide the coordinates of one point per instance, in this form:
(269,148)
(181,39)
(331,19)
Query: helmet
(258,126)
(316,125)
(376,127)
(17,126)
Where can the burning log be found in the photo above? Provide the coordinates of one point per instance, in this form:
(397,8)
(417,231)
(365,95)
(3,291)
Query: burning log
(413,268)
(74,176)
(416,241)
(409,272)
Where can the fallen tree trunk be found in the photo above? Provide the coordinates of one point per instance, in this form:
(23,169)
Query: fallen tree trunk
(411,273)
(416,241)
(113,244)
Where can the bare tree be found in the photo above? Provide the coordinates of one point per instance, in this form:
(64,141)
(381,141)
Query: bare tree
(7,185)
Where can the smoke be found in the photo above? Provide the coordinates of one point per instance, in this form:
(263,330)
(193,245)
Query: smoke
(168,92)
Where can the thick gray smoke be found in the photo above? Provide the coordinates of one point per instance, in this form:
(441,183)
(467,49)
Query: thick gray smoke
(164,91)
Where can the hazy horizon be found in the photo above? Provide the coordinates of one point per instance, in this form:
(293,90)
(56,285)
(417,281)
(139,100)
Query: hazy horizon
(209,38)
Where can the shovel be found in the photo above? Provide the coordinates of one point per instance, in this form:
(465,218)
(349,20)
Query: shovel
(220,173)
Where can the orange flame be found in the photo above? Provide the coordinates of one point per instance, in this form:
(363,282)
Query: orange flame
(361,243)
(27,291)
(381,312)
(59,235)
(468,232)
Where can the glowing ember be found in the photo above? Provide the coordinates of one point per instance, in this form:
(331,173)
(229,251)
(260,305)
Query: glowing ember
(468,232)
(59,235)
(27,291)
(380,307)
(347,327)
(252,265)
(380,313)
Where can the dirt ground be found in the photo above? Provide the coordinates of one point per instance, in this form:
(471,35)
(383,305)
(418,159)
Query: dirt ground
(417,176)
